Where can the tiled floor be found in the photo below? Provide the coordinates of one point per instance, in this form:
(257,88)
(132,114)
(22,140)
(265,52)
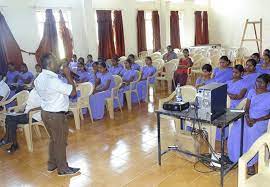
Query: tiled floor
(120,152)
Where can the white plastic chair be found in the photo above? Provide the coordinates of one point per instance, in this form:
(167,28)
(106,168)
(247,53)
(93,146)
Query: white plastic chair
(20,98)
(27,129)
(261,147)
(133,89)
(86,89)
(143,54)
(170,68)
(114,95)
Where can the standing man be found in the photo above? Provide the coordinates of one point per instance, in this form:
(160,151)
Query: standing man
(54,104)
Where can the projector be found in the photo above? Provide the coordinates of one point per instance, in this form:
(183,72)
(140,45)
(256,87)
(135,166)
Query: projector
(211,101)
(175,106)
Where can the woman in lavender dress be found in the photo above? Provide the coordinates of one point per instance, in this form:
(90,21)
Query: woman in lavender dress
(265,67)
(84,76)
(256,121)
(147,71)
(104,84)
(116,68)
(206,76)
(128,75)
(237,87)
(250,74)
(223,73)
(134,65)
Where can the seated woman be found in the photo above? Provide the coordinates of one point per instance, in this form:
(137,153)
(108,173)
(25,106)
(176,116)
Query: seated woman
(206,76)
(237,87)
(147,71)
(223,73)
(12,75)
(116,68)
(256,121)
(89,62)
(134,65)
(73,63)
(104,84)
(12,122)
(250,74)
(128,75)
(257,58)
(181,74)
(84,76)
(25,77)
(170,55)
(265,67)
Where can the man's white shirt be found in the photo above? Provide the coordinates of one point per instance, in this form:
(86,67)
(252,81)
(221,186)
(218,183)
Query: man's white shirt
(54,93)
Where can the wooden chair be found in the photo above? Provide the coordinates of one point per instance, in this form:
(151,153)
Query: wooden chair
(260,147)
(114,95)
(27,129)
(86,89)
(133,89)
(170,68)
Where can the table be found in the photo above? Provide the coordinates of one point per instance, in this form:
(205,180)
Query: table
(221,122)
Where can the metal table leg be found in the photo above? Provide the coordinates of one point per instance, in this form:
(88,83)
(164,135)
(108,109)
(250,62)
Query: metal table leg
(159,144)
(242,135)
(222,157)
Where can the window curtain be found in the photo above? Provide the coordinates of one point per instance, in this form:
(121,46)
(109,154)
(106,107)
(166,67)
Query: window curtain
(9,48)
(156,31)
(49,41)
(175,30)
(198,28)
(66,37)
(205,28)
(119,34)
(106,47)
(141,35)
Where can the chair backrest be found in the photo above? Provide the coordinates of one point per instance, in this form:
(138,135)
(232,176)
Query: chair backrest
(143,54)
(86,89)
(175,61)
(215,60)
(118,83)
(155,56)
(170,68)
(140,62)
(21,97)
(242,104)
(188,93)
(228,102)
(261,147)
(122,58)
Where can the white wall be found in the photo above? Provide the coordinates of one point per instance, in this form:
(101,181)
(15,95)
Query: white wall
(21,18)
(227,20)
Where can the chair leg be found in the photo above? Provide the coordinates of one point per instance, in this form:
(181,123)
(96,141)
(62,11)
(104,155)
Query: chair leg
(37,131)
(28,137)
(109,103)
(136,92)
(119,103)
(128,98)
(81,114)
(90,114)
(76,118)
(45,130)
(169,86)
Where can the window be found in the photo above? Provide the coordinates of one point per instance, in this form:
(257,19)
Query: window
(149,30)
(41,20)
(181,25)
